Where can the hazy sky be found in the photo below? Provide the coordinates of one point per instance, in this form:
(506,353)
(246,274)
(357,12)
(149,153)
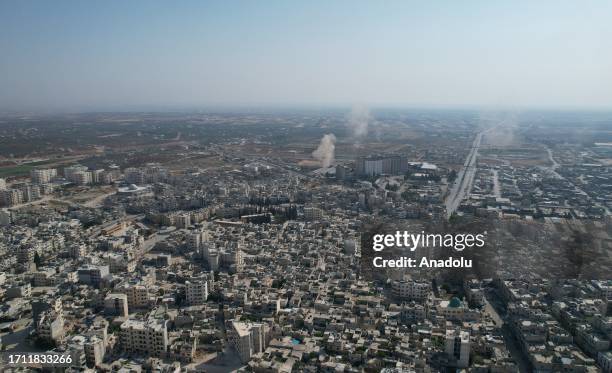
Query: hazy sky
(97,55)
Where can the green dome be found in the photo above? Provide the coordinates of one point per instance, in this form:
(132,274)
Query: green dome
(454,302)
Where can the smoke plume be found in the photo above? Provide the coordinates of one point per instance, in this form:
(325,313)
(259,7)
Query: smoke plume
(358,120)
(325,151)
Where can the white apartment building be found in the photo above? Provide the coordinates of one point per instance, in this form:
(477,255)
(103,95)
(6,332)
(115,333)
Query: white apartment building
(149,338)
(69,172)
(196,290)
(137,295)
(373,167)
(43,176)
(82,177)
(410,290)
(182,220)
(248,338)
(134,175)
(194,240)
(96,176)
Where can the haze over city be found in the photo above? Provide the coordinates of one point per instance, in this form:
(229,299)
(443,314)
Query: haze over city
(82,56)
(306,186)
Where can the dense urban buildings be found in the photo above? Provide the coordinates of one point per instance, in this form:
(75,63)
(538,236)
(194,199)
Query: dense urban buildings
(306,186)
(211,256)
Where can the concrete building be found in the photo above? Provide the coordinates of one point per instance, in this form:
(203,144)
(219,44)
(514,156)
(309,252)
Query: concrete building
(194,241)
(96,176)
(604,360)
(457,347)
(381,164)
(92,275)
(369,167)
(50,326)
(77,250)
(196,290)
(11,197)
(42,176)
(44,277)
(70,171)
(182,221)
(148,337)
(82,177)
(41,305)
(410,290)
(5,217)
(134,175)
(344,173)
(95,349)
(312,213)
(116,304)
(137,295)
(21,290)
(248,338)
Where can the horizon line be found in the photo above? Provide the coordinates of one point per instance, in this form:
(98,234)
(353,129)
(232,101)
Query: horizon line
(171,108)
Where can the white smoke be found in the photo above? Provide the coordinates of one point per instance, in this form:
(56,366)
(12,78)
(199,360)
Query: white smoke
(358,120)
(325,151)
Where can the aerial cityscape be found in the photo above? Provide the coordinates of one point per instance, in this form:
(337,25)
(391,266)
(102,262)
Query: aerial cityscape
(278,234)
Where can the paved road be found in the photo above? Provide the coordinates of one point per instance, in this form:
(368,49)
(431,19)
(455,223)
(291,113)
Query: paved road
(491,300)
(496,186)
(490,310)
(463,183)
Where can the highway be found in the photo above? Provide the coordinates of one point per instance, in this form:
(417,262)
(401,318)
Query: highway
(463,184)
(465,177)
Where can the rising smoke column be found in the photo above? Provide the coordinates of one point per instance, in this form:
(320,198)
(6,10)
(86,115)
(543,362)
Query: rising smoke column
(325,152)
(358,120)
